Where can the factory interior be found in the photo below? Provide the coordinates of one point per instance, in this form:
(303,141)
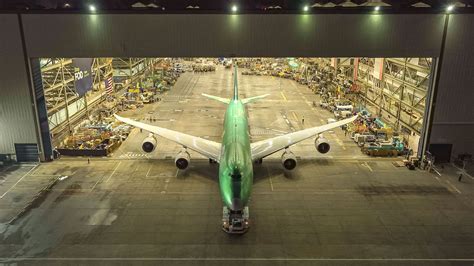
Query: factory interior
(298,135)
(370,189)
(389,93)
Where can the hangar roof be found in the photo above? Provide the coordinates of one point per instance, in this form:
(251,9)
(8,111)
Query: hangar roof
(224,5)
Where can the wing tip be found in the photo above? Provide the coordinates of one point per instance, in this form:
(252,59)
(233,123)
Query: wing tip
(119,118)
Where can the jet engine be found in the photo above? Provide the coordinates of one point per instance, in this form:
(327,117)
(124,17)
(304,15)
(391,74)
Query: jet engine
(149,143)
(182,160)
(288,159)
(322,144)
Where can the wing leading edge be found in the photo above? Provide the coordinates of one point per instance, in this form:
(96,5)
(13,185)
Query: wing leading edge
(266,147)
(208,148)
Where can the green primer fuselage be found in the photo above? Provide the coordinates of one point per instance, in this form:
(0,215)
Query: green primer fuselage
(235,169)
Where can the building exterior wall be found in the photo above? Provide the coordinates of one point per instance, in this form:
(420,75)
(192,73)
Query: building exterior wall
(453,120)
(170,35)
(17,122)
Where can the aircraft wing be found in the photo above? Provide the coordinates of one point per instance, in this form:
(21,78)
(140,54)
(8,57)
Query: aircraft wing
(266,147)
(208,148)
(253,99)
(219,99)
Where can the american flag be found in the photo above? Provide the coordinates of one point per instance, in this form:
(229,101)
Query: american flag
(109,85)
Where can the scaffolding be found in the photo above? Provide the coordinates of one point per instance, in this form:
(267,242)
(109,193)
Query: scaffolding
(65,107)
(129,71)
(397,91)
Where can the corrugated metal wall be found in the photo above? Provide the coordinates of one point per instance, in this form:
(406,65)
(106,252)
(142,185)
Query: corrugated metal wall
(453,120)
(233,35)
(16,113)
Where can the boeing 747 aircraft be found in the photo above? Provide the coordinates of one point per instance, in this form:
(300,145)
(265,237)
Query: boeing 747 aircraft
(236,154)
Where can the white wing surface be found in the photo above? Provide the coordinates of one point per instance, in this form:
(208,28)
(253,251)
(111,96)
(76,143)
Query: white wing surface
(208,148)
(266,147)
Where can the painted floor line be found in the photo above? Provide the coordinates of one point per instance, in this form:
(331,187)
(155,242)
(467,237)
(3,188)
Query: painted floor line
(455,188)
(116,167)
(462,171)
(34,167)
(231,259)
(368,166)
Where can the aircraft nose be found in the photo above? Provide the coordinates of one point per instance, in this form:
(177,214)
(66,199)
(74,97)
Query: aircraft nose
(237,204)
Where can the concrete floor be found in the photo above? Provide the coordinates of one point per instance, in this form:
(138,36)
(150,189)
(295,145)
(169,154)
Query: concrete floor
(338,209)
(186,110)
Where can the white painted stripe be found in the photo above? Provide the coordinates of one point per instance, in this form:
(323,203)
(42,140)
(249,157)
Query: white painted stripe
(230,259)
(116,167)
(148,172)
(1,197)
(455,188)
(368,166)
(463,171)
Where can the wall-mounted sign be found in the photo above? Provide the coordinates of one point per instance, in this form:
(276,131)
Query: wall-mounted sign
(82,75)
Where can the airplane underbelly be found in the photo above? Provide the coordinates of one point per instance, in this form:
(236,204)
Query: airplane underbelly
(235,193)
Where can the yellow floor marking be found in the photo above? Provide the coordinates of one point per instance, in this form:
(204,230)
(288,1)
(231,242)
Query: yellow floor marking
(283,95)
(339,141)
(294,115)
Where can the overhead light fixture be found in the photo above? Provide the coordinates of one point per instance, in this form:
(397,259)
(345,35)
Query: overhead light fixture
(450,8)
(67,5)
(377,8)
(306,8)
(234,8)
(92,8)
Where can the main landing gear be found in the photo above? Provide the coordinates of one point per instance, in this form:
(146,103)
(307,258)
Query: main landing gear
(235,222)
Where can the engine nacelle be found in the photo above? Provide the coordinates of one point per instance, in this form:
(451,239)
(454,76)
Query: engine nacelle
(182,160)
(149,143)
(322,144)
(288,159)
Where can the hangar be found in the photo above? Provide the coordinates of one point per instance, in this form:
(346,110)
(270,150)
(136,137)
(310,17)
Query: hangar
(406,71)
(426,41)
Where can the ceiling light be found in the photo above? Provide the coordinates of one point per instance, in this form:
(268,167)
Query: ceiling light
(306,8)
(234,8)
(450,8)
(92,8)
(377,8)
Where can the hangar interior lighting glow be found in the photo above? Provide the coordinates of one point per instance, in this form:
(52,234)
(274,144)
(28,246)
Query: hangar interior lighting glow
(92,8)
(450,8)
(306,8)
(377,8)
(234,8)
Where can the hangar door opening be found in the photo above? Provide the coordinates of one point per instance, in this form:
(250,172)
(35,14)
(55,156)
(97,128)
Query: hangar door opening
(82,94)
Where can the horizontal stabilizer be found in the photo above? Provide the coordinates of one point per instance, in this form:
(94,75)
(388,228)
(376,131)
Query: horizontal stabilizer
(253,99)
(220,99)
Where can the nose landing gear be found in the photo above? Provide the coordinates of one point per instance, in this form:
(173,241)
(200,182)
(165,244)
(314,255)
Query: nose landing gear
(235,222)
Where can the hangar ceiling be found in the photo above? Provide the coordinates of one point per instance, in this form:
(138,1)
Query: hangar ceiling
(259,5)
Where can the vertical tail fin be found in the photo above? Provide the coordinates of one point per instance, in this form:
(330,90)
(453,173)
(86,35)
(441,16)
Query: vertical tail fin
(236,90)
